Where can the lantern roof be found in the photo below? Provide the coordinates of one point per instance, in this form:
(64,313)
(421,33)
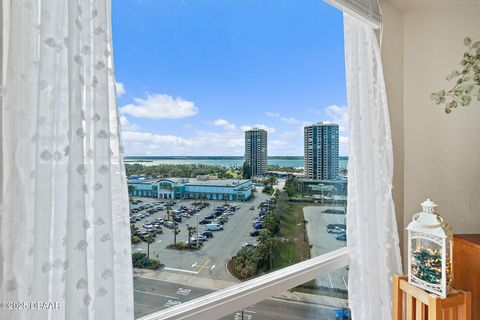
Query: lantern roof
(429,222)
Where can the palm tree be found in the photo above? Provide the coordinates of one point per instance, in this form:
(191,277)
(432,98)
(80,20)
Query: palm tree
(265,243)
(175,230)
(191,231)
(149,239)
(168,213)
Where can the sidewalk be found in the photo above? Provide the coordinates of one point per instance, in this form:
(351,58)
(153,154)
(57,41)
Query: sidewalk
(212,284)
(178,277)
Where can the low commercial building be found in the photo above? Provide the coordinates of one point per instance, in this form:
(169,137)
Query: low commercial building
(189,188)
(323,187)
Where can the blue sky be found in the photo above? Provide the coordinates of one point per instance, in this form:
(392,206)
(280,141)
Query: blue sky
(193,74)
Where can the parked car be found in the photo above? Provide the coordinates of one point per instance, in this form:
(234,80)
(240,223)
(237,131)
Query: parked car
(254,233)
(205,221)
(207,234)
(169,224)
(177,218)
(200,238)
(341,237)
(256,222)
(336,230)
(210,216)
(342,314)
(248,244)
(252,208)
(214,227)
(258,226)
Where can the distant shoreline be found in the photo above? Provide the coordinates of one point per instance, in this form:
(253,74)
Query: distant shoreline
(152,158)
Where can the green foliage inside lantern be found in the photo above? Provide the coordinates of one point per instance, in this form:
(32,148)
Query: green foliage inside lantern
(427,265)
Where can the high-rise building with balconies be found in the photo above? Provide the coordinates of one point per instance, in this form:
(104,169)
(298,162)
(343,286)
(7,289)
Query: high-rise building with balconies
(321,151)
(256,151)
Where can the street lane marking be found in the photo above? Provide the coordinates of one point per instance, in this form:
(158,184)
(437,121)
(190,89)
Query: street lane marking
(180,270)
(194,265)
(202,266)
(155,294)
(171,303)
(344,282)
(183,292)
(331,283)
(212,267)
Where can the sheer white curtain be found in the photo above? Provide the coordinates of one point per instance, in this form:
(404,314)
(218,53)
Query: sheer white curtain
(372,230)
(64,229)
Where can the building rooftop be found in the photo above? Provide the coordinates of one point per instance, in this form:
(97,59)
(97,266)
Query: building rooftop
(193,181)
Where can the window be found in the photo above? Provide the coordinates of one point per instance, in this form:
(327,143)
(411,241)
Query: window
(219,79)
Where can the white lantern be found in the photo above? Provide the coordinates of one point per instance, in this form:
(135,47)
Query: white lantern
(430,245)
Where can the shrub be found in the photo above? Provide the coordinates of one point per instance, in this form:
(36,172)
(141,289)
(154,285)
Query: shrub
(140,260)
(136,239)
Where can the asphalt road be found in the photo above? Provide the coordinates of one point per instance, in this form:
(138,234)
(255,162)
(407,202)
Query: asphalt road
(153,295)
(324,242)
(210,260)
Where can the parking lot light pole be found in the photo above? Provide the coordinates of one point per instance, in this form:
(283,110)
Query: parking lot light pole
(197,228)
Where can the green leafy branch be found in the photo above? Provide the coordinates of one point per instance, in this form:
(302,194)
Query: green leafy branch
(467,80)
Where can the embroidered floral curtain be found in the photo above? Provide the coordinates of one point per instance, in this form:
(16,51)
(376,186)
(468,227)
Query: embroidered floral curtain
(373,240)
(64,229)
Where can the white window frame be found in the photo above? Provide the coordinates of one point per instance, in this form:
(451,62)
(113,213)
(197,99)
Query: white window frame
(229,300)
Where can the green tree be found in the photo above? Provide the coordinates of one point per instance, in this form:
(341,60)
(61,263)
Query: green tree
(292,186)
(271,180)
(191,231)
(266,241)
(175,230)
(247,171)
(149,239)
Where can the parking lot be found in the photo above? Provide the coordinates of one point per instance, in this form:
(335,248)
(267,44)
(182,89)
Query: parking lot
(210,260)
(323,242)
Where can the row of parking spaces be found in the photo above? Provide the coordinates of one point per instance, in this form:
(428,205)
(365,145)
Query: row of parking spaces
(173,217)
(257,224)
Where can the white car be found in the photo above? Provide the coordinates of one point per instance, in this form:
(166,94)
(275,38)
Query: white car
(200,239)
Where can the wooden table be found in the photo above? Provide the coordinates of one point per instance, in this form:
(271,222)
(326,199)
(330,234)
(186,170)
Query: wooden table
(466,267)
(412,303)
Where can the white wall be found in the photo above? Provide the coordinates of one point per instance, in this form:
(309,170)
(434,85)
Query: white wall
(442,152)
(436,155)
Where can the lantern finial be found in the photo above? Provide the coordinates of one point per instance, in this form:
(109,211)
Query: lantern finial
(429,207)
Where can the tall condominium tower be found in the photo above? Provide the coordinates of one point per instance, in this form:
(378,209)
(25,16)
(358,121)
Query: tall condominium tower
(321,151)
(256,151)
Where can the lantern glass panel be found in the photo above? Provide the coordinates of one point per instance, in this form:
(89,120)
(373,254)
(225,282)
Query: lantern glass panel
(426,260)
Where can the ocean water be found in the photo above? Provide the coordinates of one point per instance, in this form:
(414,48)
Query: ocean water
(287,161)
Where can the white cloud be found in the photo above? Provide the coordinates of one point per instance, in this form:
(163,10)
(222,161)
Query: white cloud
(127,125)
(227,125)
(259,126)
(120,89)
(136,136)
(343,140)
(160,106)
(289,120)
(338,115)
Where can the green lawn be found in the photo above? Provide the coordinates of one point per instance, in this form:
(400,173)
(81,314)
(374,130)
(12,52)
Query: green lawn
(292,247)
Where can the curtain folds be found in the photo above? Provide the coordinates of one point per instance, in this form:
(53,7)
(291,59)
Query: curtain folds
(64,229)
(371,224)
